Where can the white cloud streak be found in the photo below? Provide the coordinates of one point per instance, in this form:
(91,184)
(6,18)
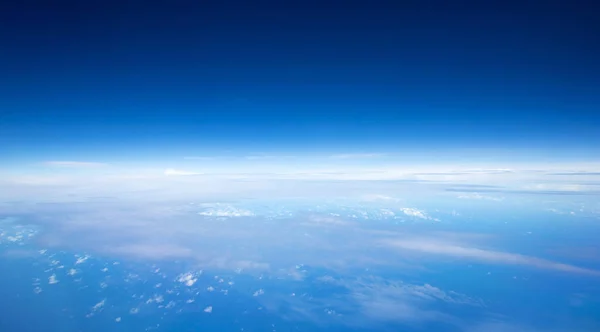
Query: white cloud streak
(441,248)
(175,172)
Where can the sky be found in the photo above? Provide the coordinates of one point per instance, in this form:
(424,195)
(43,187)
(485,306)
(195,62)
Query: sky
(140,120)
(158,83)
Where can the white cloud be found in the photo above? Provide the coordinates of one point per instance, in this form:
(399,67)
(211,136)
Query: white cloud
(480,197)
(417,213)
(208,309)
(226,211)
(175,172)
(82,259)
(99,305)
(188,279)
(52,280)
(379,197)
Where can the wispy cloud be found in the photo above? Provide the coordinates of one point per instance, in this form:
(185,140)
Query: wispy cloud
(324,220)
(490,170)
(478,196)
(373,300)
(65,163)
(576,173)
(442,248)
(175,172)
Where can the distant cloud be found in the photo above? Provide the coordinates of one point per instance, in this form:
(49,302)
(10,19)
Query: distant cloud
(74,164)
(490,170)
(175,172)
(226,212)
(416,213)
(567,191)
(379,197)
(477,171)
(437,247)
(576,173)
(478,196)
(327,221)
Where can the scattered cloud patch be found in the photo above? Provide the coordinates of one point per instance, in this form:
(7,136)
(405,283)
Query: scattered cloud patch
(226,211)
(97,308)
(99,305)
(188,279)
(412,212)
(52,280)
(81,260)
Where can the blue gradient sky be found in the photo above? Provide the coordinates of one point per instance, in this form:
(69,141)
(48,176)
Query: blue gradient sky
(151,81)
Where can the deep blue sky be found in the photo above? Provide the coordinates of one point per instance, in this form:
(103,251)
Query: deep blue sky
(109,79)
